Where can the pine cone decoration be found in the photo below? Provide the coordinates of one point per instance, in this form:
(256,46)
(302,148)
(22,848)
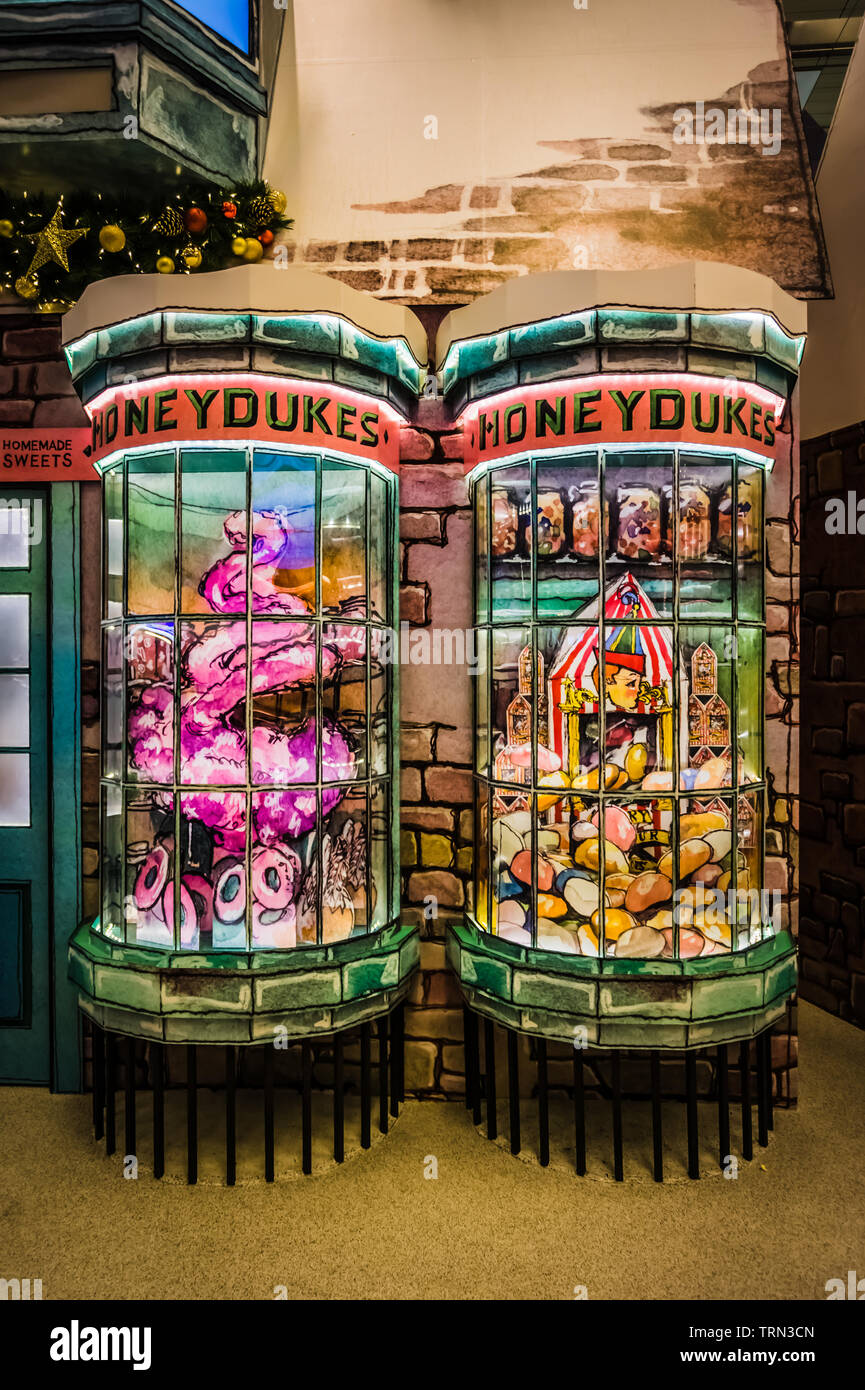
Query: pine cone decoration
(170,223)
(261,210)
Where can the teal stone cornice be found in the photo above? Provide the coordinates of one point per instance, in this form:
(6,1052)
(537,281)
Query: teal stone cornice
(748,346)
(227,997)
(284,322)
(625,1003)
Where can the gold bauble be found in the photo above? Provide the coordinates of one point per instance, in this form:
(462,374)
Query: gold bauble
(6,228)
(191,257)
(27,286)
(112,238)
(165,265)
(278,201)
(238,245)
(253,250)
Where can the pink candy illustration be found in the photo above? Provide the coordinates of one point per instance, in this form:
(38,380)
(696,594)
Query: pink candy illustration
(213,746)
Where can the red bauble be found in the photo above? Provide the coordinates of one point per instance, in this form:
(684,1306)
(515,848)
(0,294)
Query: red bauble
(195,220)
(265,237)
(229,209)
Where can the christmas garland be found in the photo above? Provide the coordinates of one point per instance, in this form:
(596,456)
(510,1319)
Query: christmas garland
(51,249)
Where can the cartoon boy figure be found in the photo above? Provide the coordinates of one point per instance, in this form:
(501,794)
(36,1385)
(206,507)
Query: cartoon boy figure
(624,667)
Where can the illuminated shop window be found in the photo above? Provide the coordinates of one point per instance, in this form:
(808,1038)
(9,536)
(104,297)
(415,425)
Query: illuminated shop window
(248,711)
(620,611)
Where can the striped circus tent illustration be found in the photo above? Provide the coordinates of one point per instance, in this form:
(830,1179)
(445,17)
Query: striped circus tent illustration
(647,650)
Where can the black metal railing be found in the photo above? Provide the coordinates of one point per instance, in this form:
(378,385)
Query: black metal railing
(753,1062)
(138,1070)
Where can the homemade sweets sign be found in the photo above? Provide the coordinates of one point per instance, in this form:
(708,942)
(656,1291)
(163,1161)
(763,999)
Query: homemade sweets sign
(235,407)
(624,408)
(45,456)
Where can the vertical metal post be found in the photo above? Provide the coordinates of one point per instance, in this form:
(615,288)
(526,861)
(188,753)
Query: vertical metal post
(110,1095)
(476,1070)
(97,1067)
(191,1114)
(762,1092)
(472,1059)
(579,1112)
(770,1082)
(543,1106)
(306,1105)
(745,1078)
(657,1122)
(514,1090)
(338,1099)
(129,1098)
(723,1106)
(157,1067)
(400,1051)
(382,1074)
(693,1130)
(230,1115)
(490,1068)
(268,1113)
(365,1084)
(394,1063)
(616,1069)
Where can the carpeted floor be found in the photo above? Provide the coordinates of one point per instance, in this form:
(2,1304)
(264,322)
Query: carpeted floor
(488,1226)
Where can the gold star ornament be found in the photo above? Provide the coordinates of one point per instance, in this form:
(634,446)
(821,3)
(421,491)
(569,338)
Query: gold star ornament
(52,242)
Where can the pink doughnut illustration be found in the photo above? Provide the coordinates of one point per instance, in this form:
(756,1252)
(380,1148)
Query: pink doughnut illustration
(152,877)
(275,874)
(229,894)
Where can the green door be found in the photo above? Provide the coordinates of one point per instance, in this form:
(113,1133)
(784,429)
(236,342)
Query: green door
(25,828)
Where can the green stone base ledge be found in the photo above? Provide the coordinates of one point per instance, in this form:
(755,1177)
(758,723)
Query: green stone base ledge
(625,1003)
(186,997)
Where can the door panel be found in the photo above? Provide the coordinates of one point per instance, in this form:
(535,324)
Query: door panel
(25,831)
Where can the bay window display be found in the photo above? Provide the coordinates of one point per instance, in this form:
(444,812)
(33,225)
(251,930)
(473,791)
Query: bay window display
(247,790)
(619,784)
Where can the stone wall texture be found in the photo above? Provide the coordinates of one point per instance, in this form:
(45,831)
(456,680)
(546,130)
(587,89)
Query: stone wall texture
(603,203)
(832,925)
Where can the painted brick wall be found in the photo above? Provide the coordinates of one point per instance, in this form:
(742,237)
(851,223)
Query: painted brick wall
(601,202)
(832,926)
(35,386)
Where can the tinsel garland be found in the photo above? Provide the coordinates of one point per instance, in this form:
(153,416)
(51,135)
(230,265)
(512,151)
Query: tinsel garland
(52,247)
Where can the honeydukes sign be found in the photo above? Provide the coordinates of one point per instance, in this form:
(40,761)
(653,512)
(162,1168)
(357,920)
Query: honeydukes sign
(236,407)
(625,408)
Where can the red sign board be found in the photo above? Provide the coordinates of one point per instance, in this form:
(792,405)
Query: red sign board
(624,408)
(45,456)
(239,406)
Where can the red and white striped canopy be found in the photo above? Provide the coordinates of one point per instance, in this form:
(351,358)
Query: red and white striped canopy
(650,648)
